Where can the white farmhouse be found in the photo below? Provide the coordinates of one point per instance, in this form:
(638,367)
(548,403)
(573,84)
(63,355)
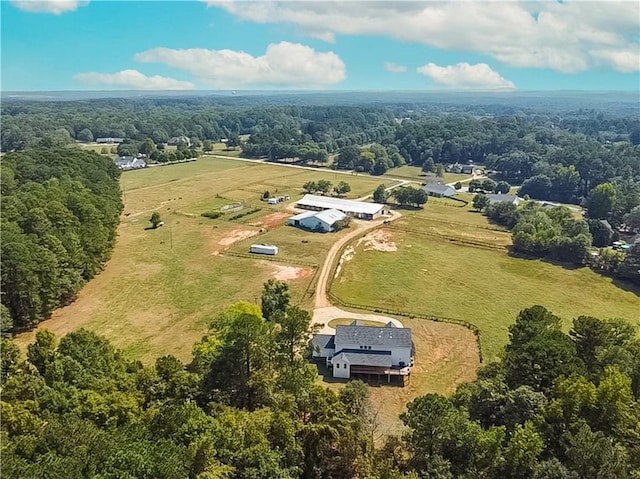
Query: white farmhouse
(355,349)
(500,198)
(318,220)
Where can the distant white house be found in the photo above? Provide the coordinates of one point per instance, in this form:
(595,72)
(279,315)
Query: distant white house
(131,163)
(359,209)
(439,190)
(179,140)
(356,349)
(318,220)
(458,168)
(499,198)
(109,140)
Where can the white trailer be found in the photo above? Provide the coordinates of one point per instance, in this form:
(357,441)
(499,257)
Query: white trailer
(264,249)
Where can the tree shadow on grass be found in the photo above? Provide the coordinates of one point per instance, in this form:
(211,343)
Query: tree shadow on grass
(627,285)
(568,266)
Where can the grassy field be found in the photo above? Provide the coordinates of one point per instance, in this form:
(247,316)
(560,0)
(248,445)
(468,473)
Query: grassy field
(451,262)
(161,287)
(415,173)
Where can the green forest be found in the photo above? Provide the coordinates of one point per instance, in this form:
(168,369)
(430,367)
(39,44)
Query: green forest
(60,210)
(248,406)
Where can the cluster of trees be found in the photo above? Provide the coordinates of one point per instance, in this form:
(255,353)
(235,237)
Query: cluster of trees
(489,186)
(409,196)
(375,159)
(558,406)
(544,232)
(60,209)
(555,233)
(248,406)
(324,186)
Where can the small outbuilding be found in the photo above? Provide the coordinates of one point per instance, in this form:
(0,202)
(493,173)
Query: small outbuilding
(318,220)
(269,249)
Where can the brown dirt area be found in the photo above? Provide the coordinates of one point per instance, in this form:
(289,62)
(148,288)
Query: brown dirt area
(230,239)
(288,273)
(273,220)
(378,240)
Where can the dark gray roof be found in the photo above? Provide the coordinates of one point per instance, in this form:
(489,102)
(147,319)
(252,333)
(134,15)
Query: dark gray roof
(364,358)
(498,198)
(323,341)
(373,336)
(438,188)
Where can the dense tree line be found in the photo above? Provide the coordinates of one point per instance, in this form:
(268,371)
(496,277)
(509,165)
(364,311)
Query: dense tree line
(555,155)
(553,232)
(60,209)
(327,128)
(248,406)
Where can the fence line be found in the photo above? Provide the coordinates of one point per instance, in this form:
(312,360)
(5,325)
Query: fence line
(379,309)
(458,241)
(440,319)
(270,258)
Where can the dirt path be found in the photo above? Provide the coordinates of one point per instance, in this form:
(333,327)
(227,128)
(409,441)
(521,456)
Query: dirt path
(324,315)
(324,311)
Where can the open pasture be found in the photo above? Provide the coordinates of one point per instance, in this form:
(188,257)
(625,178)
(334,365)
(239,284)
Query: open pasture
(161,287)
(486,287)
(415,173)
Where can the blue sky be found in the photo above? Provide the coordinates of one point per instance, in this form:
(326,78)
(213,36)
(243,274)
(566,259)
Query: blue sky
(347,45)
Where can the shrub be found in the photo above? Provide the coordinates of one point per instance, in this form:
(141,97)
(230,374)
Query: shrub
(212,214)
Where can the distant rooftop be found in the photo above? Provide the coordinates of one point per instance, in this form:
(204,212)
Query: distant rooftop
(347,206)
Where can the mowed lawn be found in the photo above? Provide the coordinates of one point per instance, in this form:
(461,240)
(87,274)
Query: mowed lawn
(162,287)
(486,287)
(415,173)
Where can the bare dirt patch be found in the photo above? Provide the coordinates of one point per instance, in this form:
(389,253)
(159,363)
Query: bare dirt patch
(274,219)
(288,273)
(345,258)
(378,240)
(236,235)
(229,239)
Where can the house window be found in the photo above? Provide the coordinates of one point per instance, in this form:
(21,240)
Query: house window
(337,365)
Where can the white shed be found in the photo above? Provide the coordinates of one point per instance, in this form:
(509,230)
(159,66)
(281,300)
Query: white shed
(264,249)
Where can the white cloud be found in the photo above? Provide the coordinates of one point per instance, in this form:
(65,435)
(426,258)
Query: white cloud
(284,65)
(465,76)
(569,36)
(394,68)
(56,7)
(134,80)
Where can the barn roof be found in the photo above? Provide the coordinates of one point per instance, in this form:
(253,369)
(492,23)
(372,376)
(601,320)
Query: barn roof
(346,206)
